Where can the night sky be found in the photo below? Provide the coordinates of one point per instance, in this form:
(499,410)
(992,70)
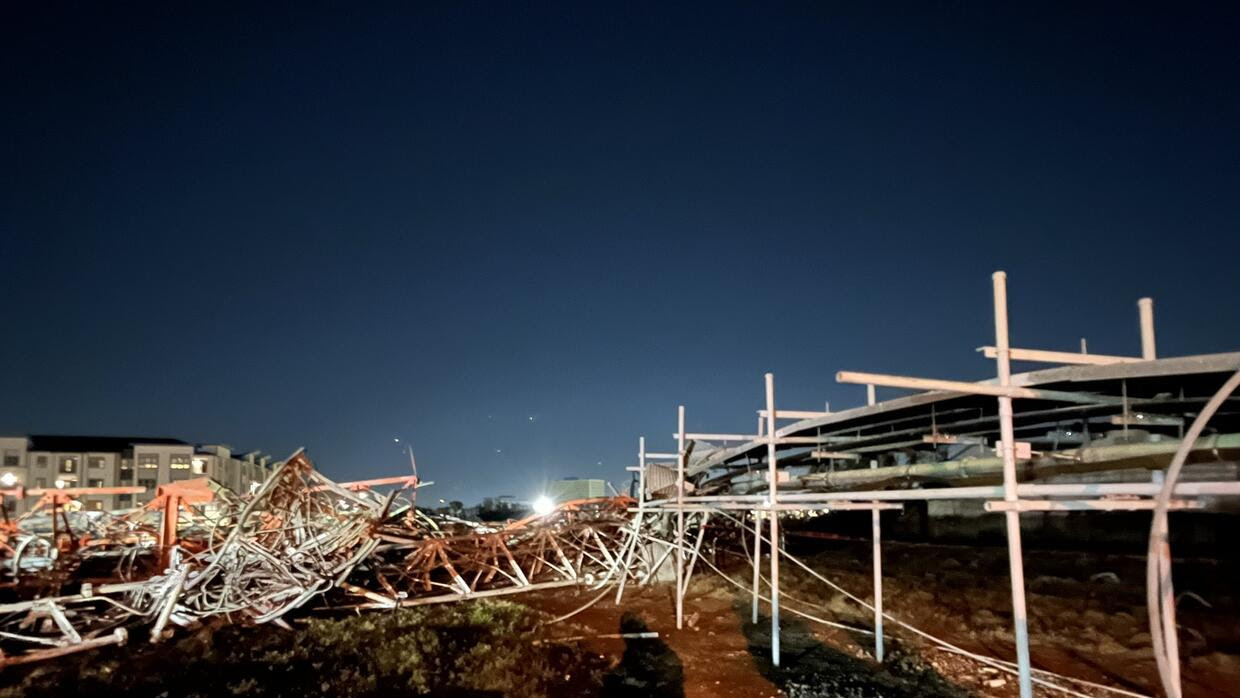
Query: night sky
(519,235)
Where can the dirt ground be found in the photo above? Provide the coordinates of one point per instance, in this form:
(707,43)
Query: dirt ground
(1087,620)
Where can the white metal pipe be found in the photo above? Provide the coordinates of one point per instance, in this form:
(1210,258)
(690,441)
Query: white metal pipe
(1170,634)
(1158,561)
(877,534)
(641,472)
(1008,390)
(696,436)
(697,549)
(680,515)
(783,506)
(796,414)
(757,561)
(1081,489)
(1008,434)
(1145,308)
(637,522)
(1059,357)
(838,455)
(1089,505)
(773,490)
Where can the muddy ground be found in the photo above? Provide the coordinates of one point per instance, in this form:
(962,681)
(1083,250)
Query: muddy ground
(1087,620)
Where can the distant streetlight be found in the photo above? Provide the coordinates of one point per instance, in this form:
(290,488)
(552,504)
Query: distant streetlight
(60,484)
(8,479)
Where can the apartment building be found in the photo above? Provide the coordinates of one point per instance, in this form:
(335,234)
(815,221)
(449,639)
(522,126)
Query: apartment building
(576,488)
(113,461)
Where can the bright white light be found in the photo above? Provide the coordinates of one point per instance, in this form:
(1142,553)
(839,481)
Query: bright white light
(543,505)
(60,484)
(8,479)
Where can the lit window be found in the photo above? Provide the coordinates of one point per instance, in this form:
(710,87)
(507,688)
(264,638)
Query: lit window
(148,461)
(179,463)
(68,464)
(200,466)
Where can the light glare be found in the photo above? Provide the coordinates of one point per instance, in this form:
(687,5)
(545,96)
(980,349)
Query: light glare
(543,505)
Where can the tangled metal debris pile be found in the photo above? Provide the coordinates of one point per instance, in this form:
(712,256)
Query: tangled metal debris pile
(199,552)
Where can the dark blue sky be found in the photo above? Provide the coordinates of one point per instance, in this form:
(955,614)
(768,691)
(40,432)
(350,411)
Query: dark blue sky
(335,227)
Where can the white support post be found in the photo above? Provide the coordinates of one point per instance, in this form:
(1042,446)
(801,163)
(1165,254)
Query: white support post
(772,464)
(877,532)
(1145,308)
(680,516)
(1007,433)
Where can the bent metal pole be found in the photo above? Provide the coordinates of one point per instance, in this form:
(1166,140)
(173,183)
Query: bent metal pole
(1012,516)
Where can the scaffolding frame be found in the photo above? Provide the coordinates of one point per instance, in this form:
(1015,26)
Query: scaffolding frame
(1011,498)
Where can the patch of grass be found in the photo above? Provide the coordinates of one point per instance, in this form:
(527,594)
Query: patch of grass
(468,649)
